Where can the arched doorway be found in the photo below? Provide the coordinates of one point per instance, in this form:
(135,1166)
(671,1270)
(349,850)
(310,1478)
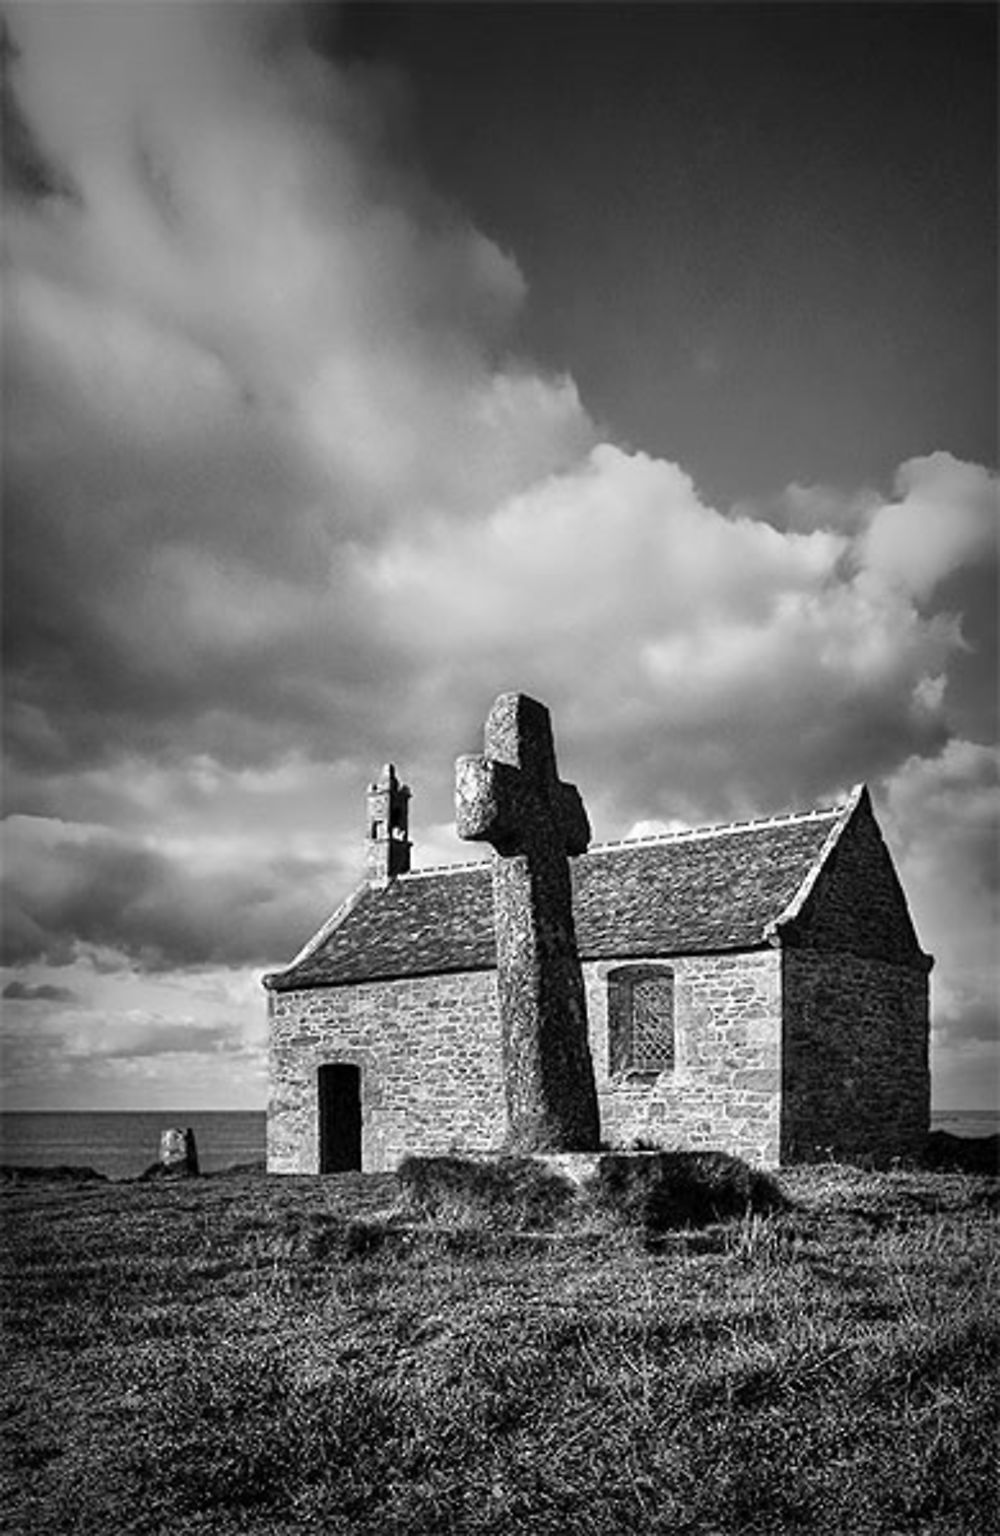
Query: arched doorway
(339,1117)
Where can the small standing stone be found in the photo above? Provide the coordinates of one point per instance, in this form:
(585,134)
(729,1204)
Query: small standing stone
(178,1151)
(513,798)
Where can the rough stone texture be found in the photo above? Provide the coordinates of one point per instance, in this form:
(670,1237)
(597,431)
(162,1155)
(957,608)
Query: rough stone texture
(387,845)
(704,892)
(723,1091)
(512,798)
(178,1154)
(800,1000)
(178,1149)
(856,1076)
(856,904)
(856,1072)
(431,1081)
(429,1053)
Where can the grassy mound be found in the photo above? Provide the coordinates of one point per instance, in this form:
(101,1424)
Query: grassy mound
(509,1192)
(663,1191)
(652,1192)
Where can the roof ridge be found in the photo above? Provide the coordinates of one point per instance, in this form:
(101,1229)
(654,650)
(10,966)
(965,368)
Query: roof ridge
(679,834)
(444,869)
(684,834)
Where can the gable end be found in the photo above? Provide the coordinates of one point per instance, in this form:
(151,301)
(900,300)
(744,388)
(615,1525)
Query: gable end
(852,901)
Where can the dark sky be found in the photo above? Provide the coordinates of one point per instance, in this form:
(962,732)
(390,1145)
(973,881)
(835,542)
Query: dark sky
(762,238)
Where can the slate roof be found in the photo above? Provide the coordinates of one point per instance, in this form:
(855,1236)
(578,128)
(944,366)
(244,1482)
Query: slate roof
(708,890)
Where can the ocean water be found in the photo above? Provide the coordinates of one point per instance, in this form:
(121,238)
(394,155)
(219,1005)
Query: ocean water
(966,1122)
(123,1144)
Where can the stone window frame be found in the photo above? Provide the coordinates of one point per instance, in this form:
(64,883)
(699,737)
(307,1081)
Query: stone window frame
(622,982)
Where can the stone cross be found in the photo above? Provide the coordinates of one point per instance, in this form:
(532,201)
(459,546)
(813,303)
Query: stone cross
(513,798)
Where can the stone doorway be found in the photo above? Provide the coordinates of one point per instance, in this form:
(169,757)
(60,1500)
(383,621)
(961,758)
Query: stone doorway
(339,1118)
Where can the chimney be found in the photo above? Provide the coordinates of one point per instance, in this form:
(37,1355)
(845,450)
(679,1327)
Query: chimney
(387,845)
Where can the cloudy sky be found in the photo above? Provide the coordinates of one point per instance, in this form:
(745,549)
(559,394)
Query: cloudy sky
(361,363)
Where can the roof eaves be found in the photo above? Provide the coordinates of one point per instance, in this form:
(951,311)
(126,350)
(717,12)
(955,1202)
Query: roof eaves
(386,973)
(772,930)
(278,981)
(338,916)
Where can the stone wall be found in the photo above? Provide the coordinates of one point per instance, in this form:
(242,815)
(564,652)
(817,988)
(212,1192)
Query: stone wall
(723,1091)
(851,1078)
(429,1053)
(857,905)
(856,1078)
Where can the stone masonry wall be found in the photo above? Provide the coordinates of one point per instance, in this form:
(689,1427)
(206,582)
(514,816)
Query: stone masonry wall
(429,1053)
(856,1076)
(857,905)
(723,1091)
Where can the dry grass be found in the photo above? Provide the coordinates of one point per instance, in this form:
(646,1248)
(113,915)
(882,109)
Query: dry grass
(250,1355)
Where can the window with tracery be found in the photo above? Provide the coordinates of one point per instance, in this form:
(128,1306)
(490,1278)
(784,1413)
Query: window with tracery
(641,1019)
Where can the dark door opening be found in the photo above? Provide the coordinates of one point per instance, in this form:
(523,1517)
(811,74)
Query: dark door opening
(339,1118)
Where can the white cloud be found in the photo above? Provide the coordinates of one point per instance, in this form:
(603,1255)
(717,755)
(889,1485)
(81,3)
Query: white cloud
(242,348)
(237,227)
(741,665)
(944,517)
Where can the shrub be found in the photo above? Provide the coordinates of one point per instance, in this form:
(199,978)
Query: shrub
(963,1154)
(664,1190)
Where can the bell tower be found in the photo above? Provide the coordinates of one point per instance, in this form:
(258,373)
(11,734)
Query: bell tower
(387,844)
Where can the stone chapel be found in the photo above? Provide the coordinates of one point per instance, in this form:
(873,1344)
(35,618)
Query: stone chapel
(756,988)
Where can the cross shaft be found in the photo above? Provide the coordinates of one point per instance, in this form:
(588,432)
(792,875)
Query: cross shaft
(512,797)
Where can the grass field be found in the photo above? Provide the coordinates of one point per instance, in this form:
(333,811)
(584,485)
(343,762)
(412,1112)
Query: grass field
(238,1354)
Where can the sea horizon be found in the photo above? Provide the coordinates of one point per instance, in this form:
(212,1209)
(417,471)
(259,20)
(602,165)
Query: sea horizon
(123,1143)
